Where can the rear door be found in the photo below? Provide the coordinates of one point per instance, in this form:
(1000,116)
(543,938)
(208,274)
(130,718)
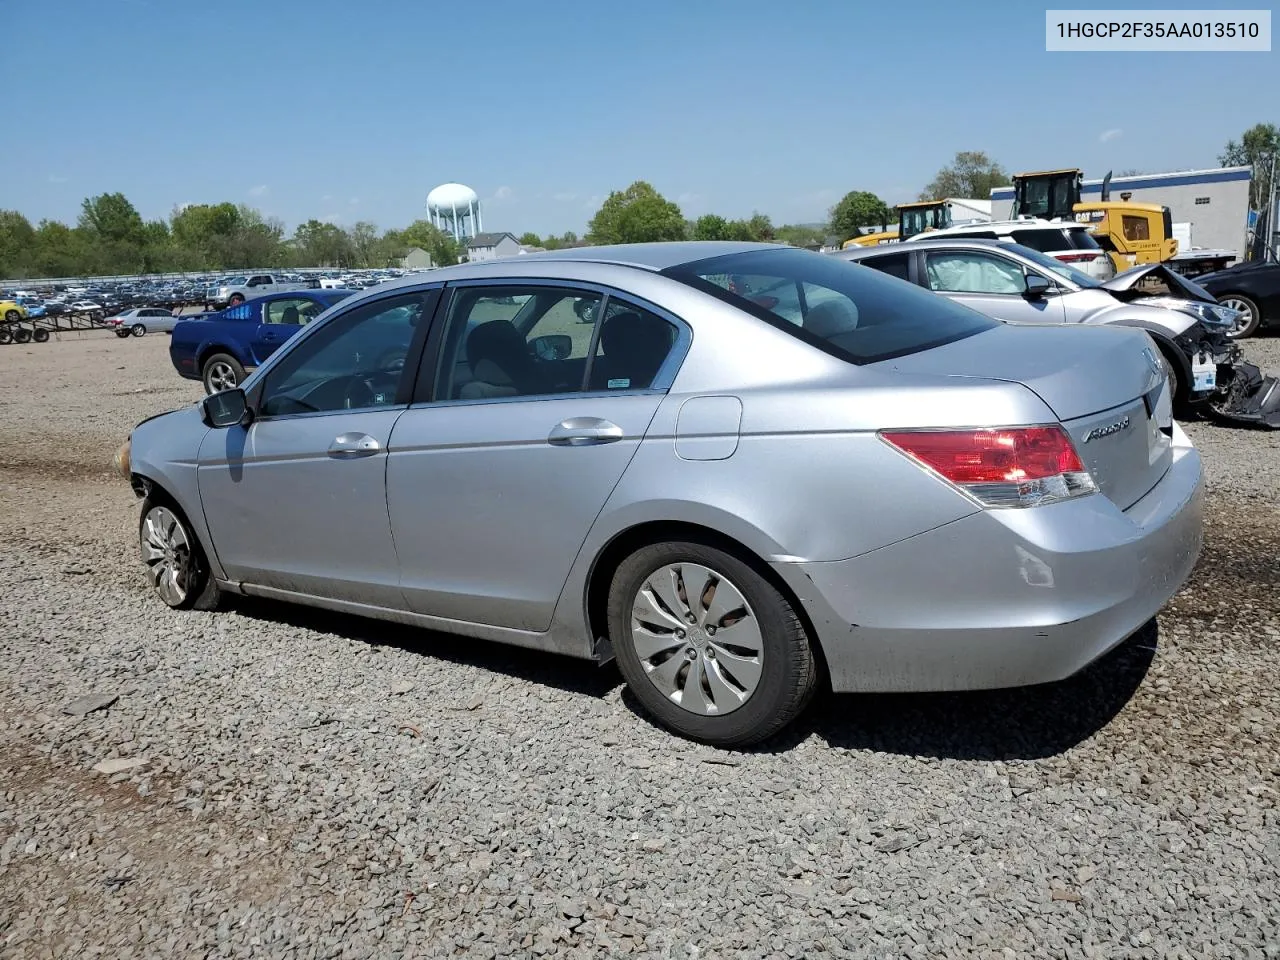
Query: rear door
(989,283)
(513,444)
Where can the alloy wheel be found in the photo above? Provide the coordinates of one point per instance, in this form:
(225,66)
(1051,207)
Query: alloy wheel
(1244,318)
(167,553)
(697,639)
(221,377)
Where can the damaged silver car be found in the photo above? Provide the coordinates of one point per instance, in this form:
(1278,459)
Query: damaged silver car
(1019,285)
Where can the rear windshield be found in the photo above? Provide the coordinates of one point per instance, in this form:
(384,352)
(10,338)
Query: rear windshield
(853,312)
(1051,240)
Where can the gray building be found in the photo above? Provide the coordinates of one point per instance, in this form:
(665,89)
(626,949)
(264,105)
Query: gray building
(491,246)
(1211,207)
(416,259)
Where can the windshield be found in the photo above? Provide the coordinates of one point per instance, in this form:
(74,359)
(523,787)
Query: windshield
(235,281)
(1061,269)
(850,311)
(920,219)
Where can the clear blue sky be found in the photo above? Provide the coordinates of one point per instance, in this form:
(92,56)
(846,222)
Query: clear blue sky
(349,111)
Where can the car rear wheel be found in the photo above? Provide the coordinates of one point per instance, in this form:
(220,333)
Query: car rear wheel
(138,330)
(12,316)
(122,333)
(177,570)
(222,372)
(1250,316)
(235,299)
(709,646)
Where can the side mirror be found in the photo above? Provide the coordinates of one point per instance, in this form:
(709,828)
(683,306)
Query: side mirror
(226,409)
(1037,286)
(554,346)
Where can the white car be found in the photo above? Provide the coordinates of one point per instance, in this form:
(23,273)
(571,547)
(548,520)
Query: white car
(88,307)
(140,321)
(1069,242)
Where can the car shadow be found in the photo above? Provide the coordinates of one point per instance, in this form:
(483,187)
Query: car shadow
(556,671)
(1023,723)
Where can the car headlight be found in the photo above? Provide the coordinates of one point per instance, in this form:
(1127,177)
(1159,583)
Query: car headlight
(1213,314)
(122,459)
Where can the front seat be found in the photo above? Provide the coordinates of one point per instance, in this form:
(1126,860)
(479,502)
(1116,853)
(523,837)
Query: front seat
(500,363)
(290,315)
(633,346)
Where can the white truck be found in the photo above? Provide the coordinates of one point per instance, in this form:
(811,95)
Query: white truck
(232,290)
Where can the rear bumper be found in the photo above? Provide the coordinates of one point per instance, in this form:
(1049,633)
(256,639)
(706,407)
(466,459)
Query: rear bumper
(1005,598)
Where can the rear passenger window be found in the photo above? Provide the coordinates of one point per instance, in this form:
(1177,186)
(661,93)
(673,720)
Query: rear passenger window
(895,265)
(634,344)
(1046,241)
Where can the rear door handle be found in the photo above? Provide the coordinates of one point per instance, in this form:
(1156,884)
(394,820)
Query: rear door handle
(350,446)
(583,432)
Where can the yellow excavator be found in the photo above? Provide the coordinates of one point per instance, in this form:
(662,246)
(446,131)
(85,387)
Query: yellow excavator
(1131,233)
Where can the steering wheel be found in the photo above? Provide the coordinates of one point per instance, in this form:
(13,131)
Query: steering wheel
(375,390)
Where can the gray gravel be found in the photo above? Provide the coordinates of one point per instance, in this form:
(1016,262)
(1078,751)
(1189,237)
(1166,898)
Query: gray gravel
(298,784)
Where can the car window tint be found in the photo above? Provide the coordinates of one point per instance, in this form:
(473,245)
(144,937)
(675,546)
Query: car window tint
(969,272)
(634,343)
(893,264)
(243,311)
(862,315)
(1046,241)
(355,362)
(515,341)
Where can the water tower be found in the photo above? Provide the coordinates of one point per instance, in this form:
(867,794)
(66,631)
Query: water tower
(456,210)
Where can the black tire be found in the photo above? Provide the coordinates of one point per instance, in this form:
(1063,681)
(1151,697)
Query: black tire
(221,365)
(1255,315)
(789,670)
(21,334)
(5,336)
(138,330)
(40,335)
(12,316)
(122,333)
(235,300)
(200,590)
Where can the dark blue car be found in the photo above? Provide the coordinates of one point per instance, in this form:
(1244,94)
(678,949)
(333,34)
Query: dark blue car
(217,348)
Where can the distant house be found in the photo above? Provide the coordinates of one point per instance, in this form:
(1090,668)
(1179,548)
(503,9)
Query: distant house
(416,259)
(490,246)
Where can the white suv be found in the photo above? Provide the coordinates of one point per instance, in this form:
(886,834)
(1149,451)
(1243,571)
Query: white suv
(1069,242)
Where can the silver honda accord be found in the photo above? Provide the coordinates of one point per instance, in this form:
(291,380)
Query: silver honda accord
(751,470)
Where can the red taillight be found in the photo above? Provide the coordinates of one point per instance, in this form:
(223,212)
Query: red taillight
(1002,467)
(1076,257)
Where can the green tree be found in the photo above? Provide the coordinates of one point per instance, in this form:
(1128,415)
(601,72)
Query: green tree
(363,238)
(799,235)
(971,174)
(711,227)
(530,239)
(60,251)
(17,243)
(1258,146)
(638,214)
(112,217)
(205,235)
(321,244)
(856,209)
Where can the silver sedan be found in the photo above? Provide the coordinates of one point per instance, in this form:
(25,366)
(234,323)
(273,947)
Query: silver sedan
(754,470)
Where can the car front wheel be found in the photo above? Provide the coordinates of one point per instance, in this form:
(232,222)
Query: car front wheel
(176,566)
(222,372)
(1250,316)
(709,646)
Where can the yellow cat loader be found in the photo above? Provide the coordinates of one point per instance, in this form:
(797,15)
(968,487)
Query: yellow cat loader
(1131,233)
(925,215)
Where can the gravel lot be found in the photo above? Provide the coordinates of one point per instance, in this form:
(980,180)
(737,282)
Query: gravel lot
(312,785)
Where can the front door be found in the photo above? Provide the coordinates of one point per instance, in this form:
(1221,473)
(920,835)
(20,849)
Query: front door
(990,284)
(297,501)
(496,477)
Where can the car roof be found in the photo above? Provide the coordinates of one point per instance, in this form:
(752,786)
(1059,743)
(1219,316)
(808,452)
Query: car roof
(653,257)
(956,240)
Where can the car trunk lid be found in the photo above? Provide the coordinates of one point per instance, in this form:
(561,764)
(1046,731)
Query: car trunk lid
(1106,385)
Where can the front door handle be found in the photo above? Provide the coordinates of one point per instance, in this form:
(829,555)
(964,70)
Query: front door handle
(583,432)
(349,446)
